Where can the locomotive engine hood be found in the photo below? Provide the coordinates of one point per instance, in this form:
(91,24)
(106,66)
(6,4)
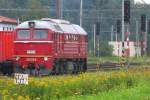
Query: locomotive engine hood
(56,25)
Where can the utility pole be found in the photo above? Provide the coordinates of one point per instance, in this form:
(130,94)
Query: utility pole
(94,39)
(117,43)
(112,32)
(122,25)
(58,11)
(137,39)
(62,6)
(18,21)
(143,34)
(146,37)
(123,47)
(81,12)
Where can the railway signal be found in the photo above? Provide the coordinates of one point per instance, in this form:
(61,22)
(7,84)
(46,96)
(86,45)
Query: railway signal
(125,28)
(97,28)
(149,27)
(143,34)
(143,23)
(118,26)
(127,11)
(96,38)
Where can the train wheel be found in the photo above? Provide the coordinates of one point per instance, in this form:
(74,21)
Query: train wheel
(80,64)
(64,67)
(84,65)
(7,67)
(0,68)
(56,69)
(31,68)
(17,68)
(61,68)
(76,68)
(53,70)
(70,67)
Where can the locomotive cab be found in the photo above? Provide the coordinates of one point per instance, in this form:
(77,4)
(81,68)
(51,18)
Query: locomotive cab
(33,47)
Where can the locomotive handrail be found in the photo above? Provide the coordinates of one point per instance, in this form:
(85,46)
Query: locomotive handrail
(33,41)
(32,56)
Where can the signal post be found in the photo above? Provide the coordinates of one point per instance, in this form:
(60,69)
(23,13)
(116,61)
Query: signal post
(96,39)
(125,30)
(143,35)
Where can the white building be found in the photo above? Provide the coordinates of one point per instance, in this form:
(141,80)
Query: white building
(133,49)
(7,24)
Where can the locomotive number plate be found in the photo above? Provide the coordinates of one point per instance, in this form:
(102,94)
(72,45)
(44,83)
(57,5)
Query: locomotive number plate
(21,78)
(31,51)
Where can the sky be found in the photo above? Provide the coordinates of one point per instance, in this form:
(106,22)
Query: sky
(140,1)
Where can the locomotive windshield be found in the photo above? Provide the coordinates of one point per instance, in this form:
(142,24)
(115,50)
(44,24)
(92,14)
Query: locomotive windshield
(40,34)
(23,34)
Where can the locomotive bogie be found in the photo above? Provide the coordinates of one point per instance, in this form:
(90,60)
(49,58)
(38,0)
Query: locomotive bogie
(69,66)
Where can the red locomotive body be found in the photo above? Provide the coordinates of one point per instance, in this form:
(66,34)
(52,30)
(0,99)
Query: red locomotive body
(50,45)
(6,51)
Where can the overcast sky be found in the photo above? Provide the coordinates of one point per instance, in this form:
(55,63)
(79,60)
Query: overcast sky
(147,1)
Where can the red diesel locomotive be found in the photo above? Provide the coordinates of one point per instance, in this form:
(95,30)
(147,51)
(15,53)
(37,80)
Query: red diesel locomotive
(50,46)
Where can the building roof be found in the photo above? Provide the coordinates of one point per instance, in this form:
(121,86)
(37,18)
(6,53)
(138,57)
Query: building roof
(8,20)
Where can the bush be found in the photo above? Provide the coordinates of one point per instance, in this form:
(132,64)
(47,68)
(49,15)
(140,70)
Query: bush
(105,49)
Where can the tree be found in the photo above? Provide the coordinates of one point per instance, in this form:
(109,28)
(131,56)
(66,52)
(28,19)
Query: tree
(6,4)
(36,10)
(105,49)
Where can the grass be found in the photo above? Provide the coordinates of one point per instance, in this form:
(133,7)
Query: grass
(95,60)
(141,92)
(115,59)
(114,85)
(138,91)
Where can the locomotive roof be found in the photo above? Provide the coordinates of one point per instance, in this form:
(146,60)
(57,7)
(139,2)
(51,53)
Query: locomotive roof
(56,25)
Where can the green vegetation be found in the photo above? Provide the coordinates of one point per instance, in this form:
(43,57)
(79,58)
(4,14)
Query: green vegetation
(88,85)
(141,92)
(115,59)
(105,49)
(95,60)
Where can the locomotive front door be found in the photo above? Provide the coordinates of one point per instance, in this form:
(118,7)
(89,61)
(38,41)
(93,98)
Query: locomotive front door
(55,43)
(56,38)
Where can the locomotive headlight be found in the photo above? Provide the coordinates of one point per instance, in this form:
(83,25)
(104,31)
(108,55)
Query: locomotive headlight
(45,58)
(17,58)
(31,24)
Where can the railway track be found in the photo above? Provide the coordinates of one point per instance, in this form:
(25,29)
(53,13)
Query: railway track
(109,66)
(104,66)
